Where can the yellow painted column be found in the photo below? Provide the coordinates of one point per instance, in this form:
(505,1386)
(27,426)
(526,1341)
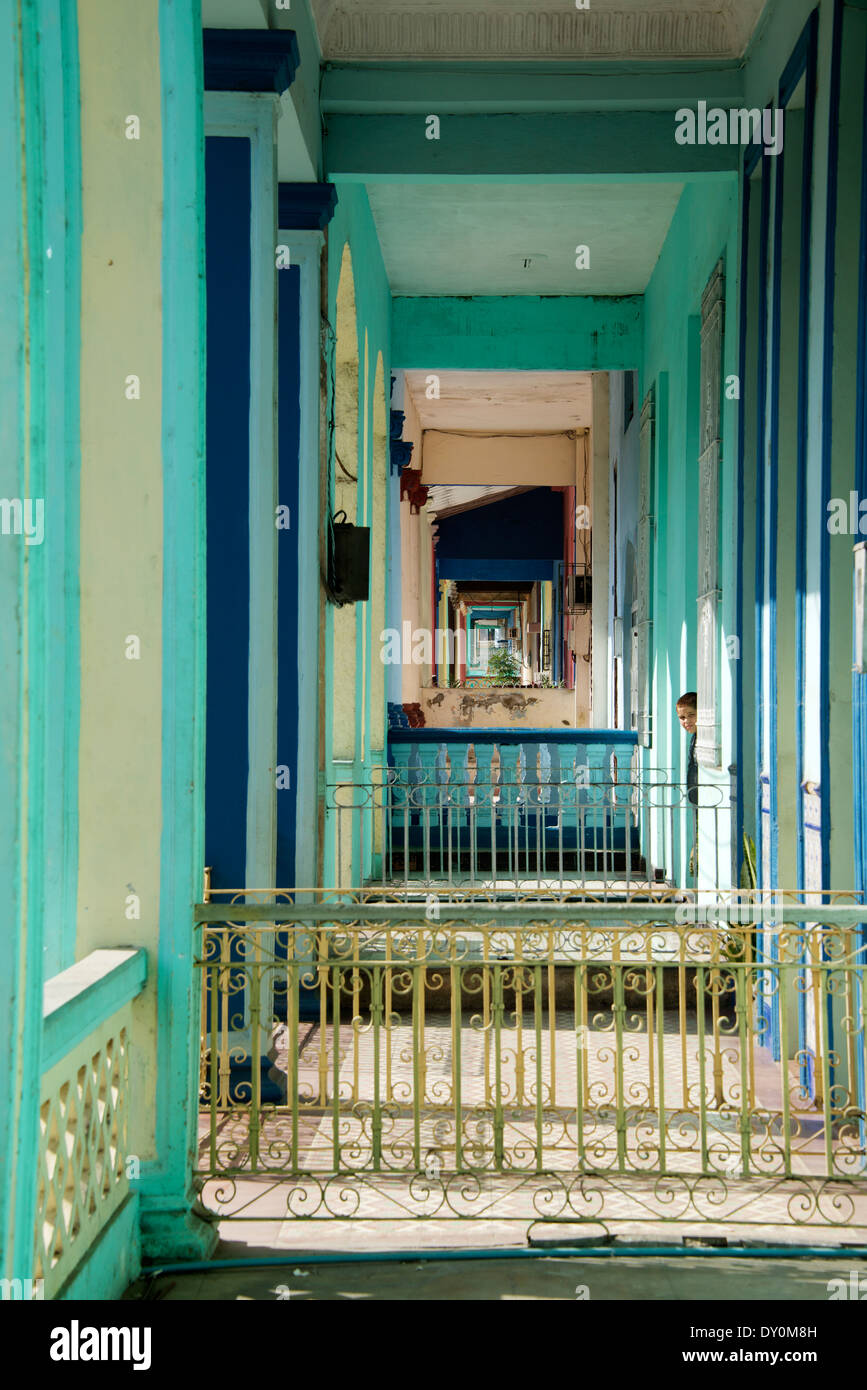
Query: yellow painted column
(121,537)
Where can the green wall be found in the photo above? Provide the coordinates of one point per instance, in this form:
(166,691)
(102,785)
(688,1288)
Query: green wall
(703,229)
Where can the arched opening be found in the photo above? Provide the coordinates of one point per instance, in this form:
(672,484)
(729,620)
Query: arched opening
(342,678)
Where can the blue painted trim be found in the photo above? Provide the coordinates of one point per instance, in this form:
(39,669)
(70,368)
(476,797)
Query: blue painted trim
(752,155)
(399,454)
(861,391)
(827,428)
(802,62)
(859,680)
(79,1000)
(250,60)
(808,65)
(249,207)
(183,613)
(802,54)
(623,737)
(772,503)
(305,206)
(759,592)
(761,406)
(739,540)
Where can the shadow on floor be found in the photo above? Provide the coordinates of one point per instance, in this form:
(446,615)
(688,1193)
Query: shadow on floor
(627,1277)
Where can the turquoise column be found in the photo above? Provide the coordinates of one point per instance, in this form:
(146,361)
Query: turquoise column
(58,39)
(170,1229)
(22,597)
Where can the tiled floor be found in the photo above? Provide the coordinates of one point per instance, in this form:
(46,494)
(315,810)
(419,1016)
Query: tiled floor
(604,1169)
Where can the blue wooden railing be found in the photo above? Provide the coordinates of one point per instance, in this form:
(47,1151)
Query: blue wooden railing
(510,800)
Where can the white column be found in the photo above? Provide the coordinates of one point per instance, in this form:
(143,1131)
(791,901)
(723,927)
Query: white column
(306,248)
(600,679)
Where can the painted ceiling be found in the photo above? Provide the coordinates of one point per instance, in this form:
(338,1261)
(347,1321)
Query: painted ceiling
(503,239)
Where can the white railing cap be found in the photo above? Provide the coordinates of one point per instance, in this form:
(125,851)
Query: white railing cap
(79,999)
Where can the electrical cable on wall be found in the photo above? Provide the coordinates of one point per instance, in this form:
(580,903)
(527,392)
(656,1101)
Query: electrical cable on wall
(584,499)
(513,434)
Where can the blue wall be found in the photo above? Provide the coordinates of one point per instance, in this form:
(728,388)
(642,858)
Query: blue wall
(227,232)
(526,527)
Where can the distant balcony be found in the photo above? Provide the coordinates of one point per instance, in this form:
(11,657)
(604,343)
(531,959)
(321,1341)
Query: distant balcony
(525,810)
(485,706)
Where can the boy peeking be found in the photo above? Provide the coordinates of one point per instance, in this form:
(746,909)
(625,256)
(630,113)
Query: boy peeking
(687,713)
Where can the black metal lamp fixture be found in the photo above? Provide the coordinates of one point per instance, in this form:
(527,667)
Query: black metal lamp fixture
(348,561)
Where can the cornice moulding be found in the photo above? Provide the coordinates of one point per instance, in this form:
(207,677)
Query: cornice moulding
(305,206)
(530,33)
(250,60)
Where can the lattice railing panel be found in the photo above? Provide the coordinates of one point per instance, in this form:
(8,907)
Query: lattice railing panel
(83,1125)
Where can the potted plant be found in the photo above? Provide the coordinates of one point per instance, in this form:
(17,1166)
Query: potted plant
(503,667)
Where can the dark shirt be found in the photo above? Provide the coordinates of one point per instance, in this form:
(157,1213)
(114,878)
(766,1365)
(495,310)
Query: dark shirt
(692,775)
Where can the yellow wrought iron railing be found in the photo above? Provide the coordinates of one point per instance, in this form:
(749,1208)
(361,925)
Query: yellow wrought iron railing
(648,1061)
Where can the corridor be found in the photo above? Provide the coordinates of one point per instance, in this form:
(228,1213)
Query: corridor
(434,762)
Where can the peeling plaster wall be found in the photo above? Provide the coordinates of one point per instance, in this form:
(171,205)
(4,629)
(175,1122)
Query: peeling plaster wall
(492,709)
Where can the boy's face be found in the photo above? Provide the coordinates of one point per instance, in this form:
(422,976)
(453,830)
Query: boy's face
(687,718)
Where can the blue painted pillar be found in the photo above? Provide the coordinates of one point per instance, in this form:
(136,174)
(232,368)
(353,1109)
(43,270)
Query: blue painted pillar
(227,240)
(245,73)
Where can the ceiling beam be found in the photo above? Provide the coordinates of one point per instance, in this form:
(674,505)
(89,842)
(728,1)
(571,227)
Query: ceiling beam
(465,89)
(596,147)
(518,332)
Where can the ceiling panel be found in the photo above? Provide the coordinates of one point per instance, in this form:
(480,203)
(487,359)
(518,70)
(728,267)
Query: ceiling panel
(503,239)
